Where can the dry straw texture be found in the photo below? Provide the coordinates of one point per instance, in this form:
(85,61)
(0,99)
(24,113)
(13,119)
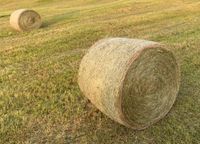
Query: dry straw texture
(25,20)
(134,82)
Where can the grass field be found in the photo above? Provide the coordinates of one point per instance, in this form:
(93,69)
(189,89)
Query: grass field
(40,101)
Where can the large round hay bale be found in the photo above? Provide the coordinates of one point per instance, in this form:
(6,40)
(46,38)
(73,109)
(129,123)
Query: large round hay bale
(25,20)
(134,82)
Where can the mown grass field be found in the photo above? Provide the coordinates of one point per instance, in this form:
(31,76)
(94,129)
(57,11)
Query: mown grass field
(40,101)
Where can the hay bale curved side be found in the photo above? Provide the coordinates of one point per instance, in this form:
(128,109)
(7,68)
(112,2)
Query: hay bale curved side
(134,82)
(25,20)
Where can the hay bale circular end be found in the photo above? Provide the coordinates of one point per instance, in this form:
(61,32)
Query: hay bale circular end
(25,20)
(134,82)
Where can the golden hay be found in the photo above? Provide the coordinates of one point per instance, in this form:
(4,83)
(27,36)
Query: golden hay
(25,20)
(134,82)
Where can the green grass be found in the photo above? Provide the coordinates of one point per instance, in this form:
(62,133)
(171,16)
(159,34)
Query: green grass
(40,101)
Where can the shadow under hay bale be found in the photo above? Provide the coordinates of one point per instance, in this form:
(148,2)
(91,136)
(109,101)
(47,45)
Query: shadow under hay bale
(68,16)
(134,82)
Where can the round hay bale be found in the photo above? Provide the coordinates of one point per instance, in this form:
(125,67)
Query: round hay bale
(134,82)
(25,20)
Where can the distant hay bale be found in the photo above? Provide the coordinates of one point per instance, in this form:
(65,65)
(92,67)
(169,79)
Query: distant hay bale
(25,20)
(134,82)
